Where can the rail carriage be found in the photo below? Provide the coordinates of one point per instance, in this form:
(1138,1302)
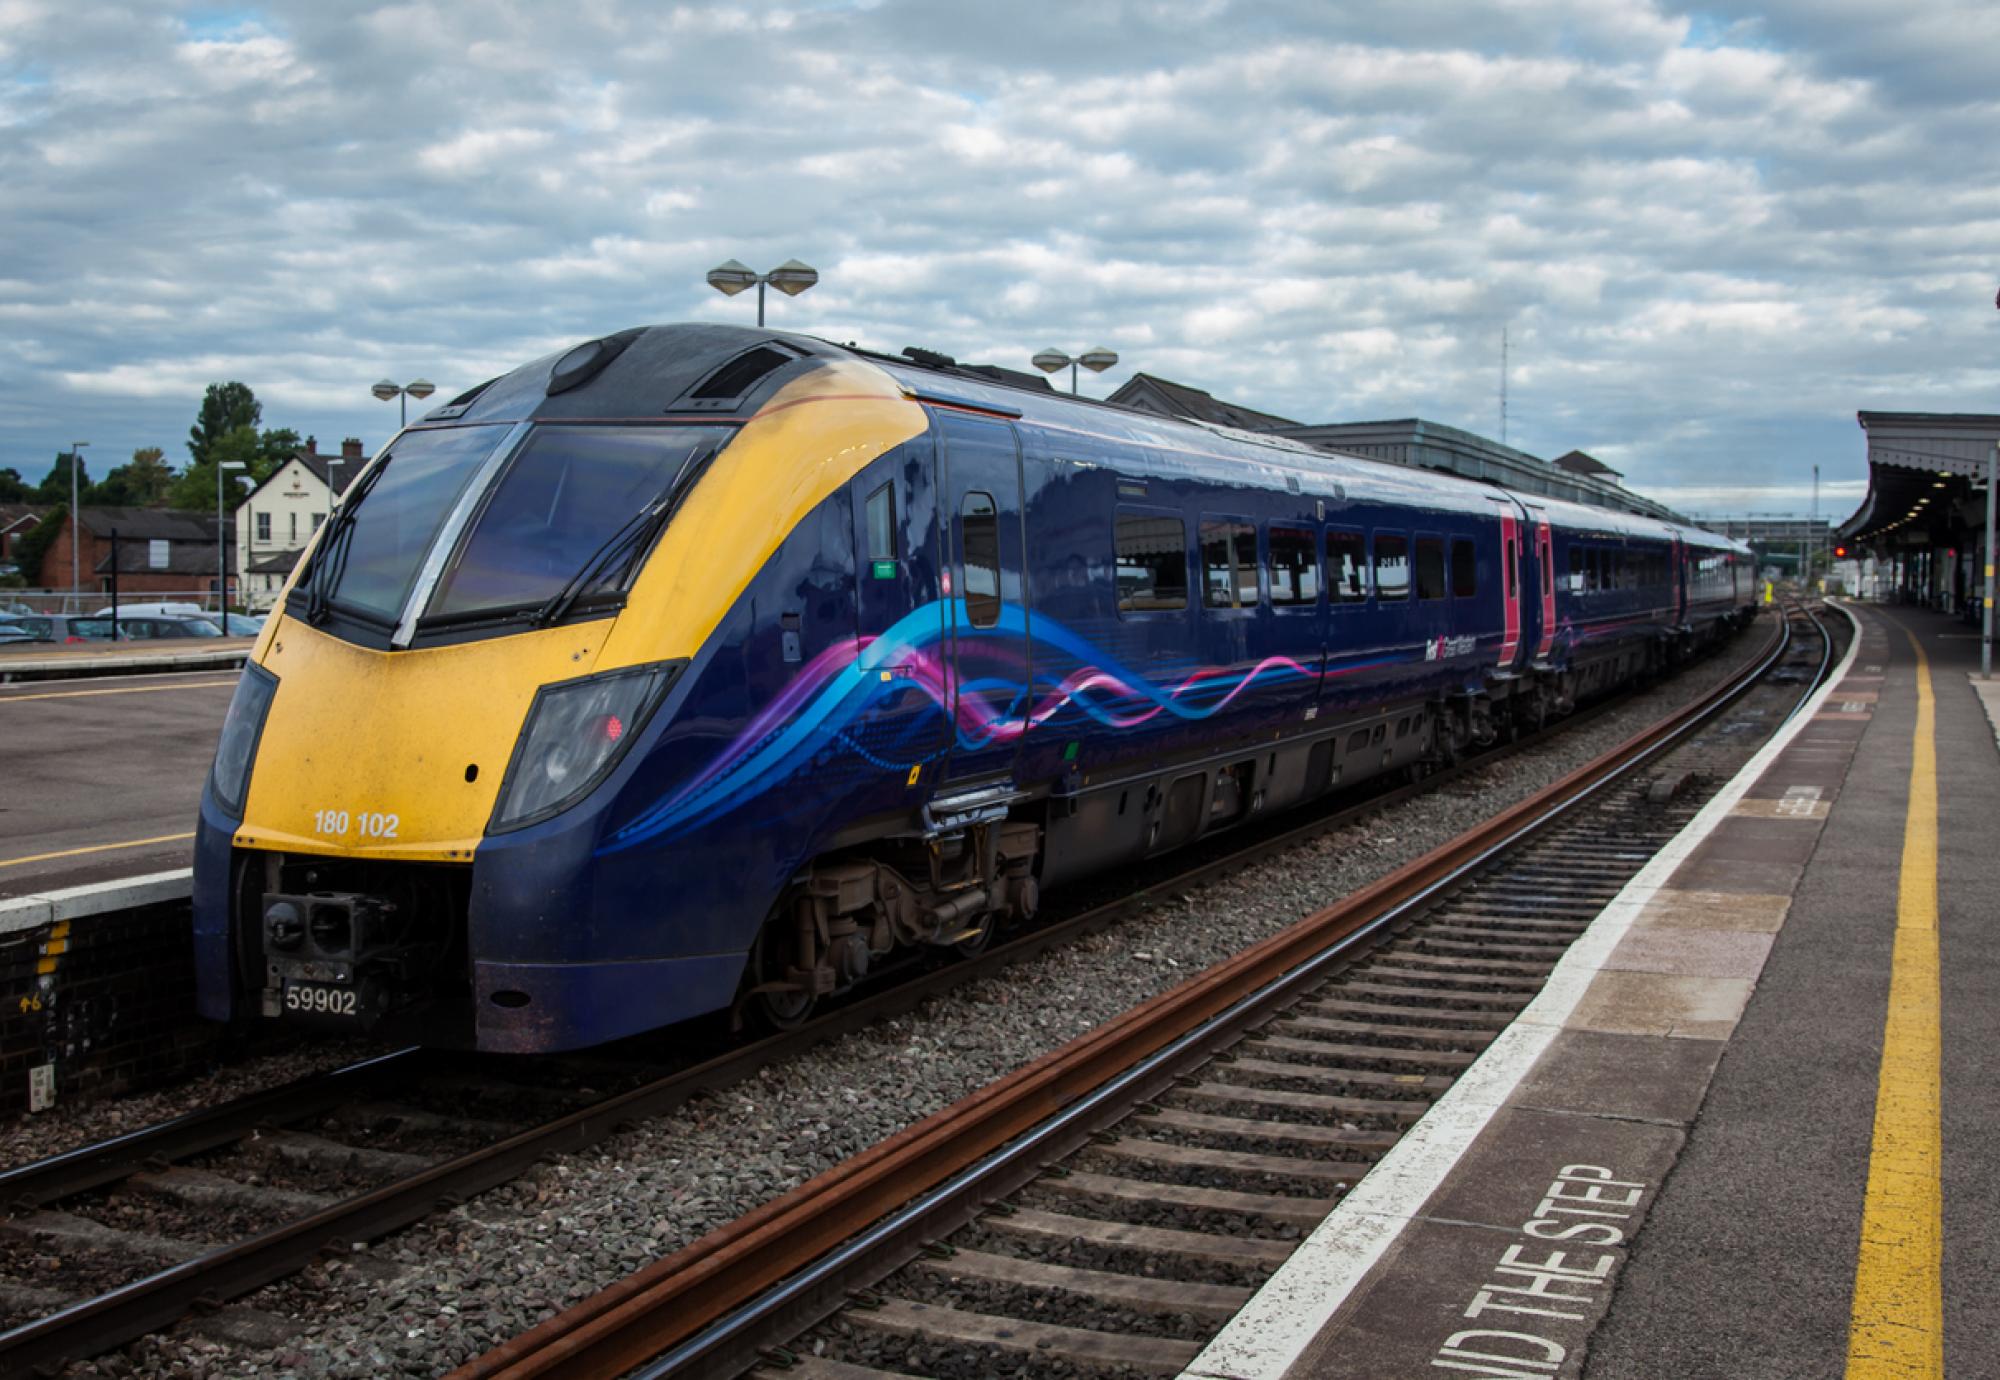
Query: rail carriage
(703,669)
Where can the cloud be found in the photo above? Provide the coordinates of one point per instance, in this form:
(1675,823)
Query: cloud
(1710,236)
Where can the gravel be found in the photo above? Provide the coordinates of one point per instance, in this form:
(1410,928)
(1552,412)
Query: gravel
(428,1298)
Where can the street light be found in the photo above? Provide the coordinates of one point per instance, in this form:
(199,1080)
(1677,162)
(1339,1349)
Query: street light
(415,388)
(221,569)
(75,460)
(790,277)
(1097,361)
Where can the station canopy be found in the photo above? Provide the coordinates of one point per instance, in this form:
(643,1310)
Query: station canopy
(1921,467)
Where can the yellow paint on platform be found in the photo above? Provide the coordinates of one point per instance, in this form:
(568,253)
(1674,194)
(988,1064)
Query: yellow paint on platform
(94,848)
(1897,1327)
(118,690)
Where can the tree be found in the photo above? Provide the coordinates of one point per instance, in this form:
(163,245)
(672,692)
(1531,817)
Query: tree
(143,482)
(30,549)
(13,489)
(226,407)
(274,448)
(195,486)
(54,487)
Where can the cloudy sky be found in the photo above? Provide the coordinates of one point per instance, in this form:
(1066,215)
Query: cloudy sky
(1711,235)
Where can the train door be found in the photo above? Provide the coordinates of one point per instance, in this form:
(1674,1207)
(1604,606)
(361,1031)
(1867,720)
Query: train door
(1677,582)
(899,619)
(989,676)
(1510,587)
(1545,583)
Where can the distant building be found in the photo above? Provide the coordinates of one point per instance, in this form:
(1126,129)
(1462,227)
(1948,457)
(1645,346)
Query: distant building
(280,515)
(1148,393)
(1576,462)
(159,551)
(16,521)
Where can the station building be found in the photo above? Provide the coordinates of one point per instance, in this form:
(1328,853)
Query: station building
(1923,521)
(280,515)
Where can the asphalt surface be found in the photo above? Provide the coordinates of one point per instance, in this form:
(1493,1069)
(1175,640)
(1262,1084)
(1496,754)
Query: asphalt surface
(1746,1264)
(103,775)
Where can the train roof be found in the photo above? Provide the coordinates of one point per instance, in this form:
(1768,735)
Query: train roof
(693,370)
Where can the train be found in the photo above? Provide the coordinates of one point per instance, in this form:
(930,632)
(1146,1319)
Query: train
(704,669)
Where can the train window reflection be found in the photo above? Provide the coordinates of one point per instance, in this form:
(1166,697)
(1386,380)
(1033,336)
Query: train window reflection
(572,498)
(1392,566)
(1229,565)
(1152,562)
(979,540)
(1346,566)
(1294,566)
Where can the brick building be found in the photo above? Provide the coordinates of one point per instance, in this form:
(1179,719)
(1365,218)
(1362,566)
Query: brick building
(160,551)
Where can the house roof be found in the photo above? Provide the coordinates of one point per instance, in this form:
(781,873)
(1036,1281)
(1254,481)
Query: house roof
(334,471)
(14,515)
(1150,393)
(1576,462)
(150,524)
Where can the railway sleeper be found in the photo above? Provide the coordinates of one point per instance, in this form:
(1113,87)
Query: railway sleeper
(1165,1155)
(1218,1301)
(1299,1212)
(1149,1355)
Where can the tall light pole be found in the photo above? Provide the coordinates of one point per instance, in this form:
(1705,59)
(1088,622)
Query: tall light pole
(1097,361)
(415,388)
(75,460)
(221,568)
(790,277)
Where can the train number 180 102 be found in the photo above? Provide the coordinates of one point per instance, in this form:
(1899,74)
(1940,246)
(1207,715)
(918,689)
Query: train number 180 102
(374,824)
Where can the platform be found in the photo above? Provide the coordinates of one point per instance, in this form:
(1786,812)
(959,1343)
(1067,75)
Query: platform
(103,776)
(1664,1168)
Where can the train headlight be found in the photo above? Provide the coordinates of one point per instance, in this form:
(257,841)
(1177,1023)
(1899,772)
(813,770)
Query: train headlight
(574,736)
(236,750)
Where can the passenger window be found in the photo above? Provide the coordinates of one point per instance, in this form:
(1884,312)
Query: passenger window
(1576,570)
(979,566)
(1152,563)
(1392,566)
(1601,569)
(1346,566)
(1464,569)
(881,511)
(1294,566)
(1430,567)
(1229,565)
(1513,568)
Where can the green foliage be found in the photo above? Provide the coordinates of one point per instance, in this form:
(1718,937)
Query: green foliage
(54,487)
(13,489)
(143,482)
(227,407)
(30,549)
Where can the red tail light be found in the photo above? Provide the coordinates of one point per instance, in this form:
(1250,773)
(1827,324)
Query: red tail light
(614,727)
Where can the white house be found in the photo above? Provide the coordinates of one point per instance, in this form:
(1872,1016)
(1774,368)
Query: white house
(274,523)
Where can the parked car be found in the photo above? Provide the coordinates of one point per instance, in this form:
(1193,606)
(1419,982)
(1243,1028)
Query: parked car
(12,632)
(238,624)
(156,629)
(62,627)
(155,610)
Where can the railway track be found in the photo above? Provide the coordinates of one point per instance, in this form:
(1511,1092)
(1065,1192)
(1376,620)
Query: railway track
(307,1169)
(1104,1210)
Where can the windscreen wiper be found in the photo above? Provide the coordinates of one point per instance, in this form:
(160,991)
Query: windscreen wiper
(632,539)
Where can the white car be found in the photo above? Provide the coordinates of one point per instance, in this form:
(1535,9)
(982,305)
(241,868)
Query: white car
(155,611)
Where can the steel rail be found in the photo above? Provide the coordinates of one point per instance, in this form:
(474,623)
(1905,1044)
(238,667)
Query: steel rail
(95,1325)
(702,1307)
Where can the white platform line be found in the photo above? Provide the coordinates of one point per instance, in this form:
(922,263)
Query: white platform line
(20,913)
(1272,1331)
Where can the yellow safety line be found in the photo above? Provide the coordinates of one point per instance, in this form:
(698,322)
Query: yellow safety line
(119,690)
(1897,1327)
(94,848)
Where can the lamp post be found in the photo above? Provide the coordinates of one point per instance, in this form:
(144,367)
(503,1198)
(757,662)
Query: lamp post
(790,277)
(75,459)
(221,569)
(415,388)
(1097,361)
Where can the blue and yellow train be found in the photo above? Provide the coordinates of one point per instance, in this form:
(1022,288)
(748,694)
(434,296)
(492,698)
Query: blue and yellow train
(701,667)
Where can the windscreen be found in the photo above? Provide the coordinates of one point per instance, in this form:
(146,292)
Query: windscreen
(398,518)
(568,498)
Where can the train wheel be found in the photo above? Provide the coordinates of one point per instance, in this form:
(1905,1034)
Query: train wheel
(976,945)
(771,1003)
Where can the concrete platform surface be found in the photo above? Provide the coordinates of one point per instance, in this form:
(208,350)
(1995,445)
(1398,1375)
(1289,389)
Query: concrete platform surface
(1662,1168)
(103,776)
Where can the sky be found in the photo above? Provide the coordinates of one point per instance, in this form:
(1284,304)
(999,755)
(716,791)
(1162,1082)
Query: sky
(1710,236)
